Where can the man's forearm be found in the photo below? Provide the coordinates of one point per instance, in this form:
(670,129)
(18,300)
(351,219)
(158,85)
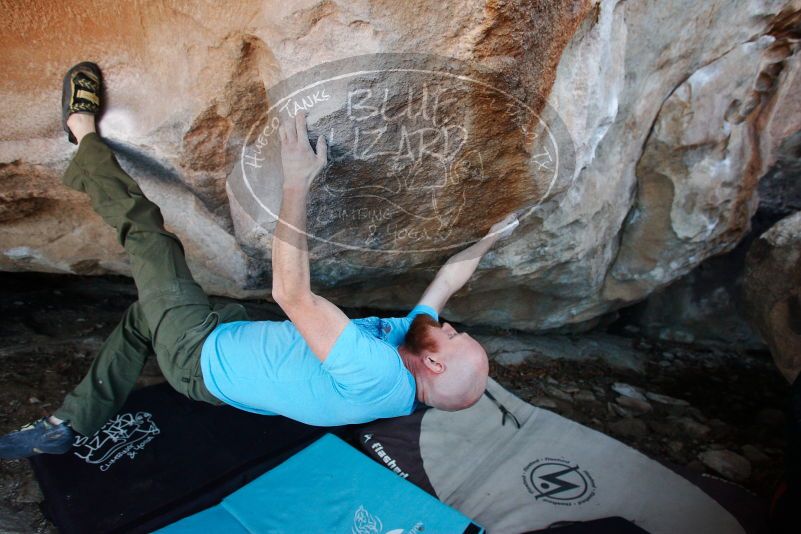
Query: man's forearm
(460,267)
(290,248)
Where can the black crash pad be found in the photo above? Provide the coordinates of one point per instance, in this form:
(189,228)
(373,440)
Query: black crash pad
(161,458)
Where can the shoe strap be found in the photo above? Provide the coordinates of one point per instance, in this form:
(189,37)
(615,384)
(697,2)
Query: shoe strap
(85,94)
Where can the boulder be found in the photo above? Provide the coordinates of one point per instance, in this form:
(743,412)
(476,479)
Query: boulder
(628,391)
(772,289)
(666,399)
(729,464)
(670,113)
(636,406)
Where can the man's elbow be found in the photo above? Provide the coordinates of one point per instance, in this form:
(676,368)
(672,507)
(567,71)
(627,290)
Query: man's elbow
(281,295)
(290,298)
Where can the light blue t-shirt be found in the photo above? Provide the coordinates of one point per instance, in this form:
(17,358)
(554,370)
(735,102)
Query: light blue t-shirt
(266,367)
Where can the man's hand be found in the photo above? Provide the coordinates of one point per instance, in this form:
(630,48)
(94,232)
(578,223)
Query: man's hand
(504,228)
(301,164)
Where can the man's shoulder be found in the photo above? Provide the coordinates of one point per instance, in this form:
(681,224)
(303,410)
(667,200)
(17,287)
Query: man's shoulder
(423,308)
(417,310)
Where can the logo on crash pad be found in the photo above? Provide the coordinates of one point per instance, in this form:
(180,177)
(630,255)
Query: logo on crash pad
(366,523)
(558,481)
(124,435)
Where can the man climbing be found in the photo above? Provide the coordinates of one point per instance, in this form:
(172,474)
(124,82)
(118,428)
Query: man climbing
(319,367)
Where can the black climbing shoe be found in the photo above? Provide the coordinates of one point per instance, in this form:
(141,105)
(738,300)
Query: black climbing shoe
(80,93)
(38,437)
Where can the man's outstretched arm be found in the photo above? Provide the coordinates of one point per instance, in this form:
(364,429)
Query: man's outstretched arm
(319,321)
(460,267)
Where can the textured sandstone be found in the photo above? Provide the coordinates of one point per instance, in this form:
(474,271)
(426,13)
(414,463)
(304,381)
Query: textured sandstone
(773,292)
(676,109)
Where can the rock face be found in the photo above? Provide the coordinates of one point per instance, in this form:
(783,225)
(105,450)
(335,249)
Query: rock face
(675,111)
(773,292)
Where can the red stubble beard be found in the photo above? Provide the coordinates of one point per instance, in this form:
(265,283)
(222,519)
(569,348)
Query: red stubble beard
(419,338)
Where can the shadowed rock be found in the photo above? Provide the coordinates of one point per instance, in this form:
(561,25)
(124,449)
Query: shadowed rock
(773,292)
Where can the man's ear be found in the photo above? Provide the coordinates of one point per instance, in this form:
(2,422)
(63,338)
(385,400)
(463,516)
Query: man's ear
(433,363)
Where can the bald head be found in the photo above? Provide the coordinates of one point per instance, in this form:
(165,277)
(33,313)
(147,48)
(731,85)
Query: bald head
(450,367)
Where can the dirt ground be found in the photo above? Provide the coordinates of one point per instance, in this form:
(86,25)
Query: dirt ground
(54,325)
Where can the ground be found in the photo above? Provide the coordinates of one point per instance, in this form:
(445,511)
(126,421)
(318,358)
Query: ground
(719,400)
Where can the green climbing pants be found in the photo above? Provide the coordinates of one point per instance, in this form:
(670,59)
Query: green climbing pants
(173,315)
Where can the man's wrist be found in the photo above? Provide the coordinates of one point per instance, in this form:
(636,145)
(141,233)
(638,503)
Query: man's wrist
(487,242)
(491,237)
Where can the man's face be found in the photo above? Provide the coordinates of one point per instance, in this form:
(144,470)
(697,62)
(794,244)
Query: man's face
(443,348)
(419,338)
(452,343)
(426,334)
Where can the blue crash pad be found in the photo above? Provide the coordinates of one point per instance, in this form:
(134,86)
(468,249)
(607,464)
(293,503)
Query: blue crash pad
(327,487)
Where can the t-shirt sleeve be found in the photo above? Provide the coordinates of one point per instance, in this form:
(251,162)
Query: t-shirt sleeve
(422,308)
(394,328)
(362,365)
